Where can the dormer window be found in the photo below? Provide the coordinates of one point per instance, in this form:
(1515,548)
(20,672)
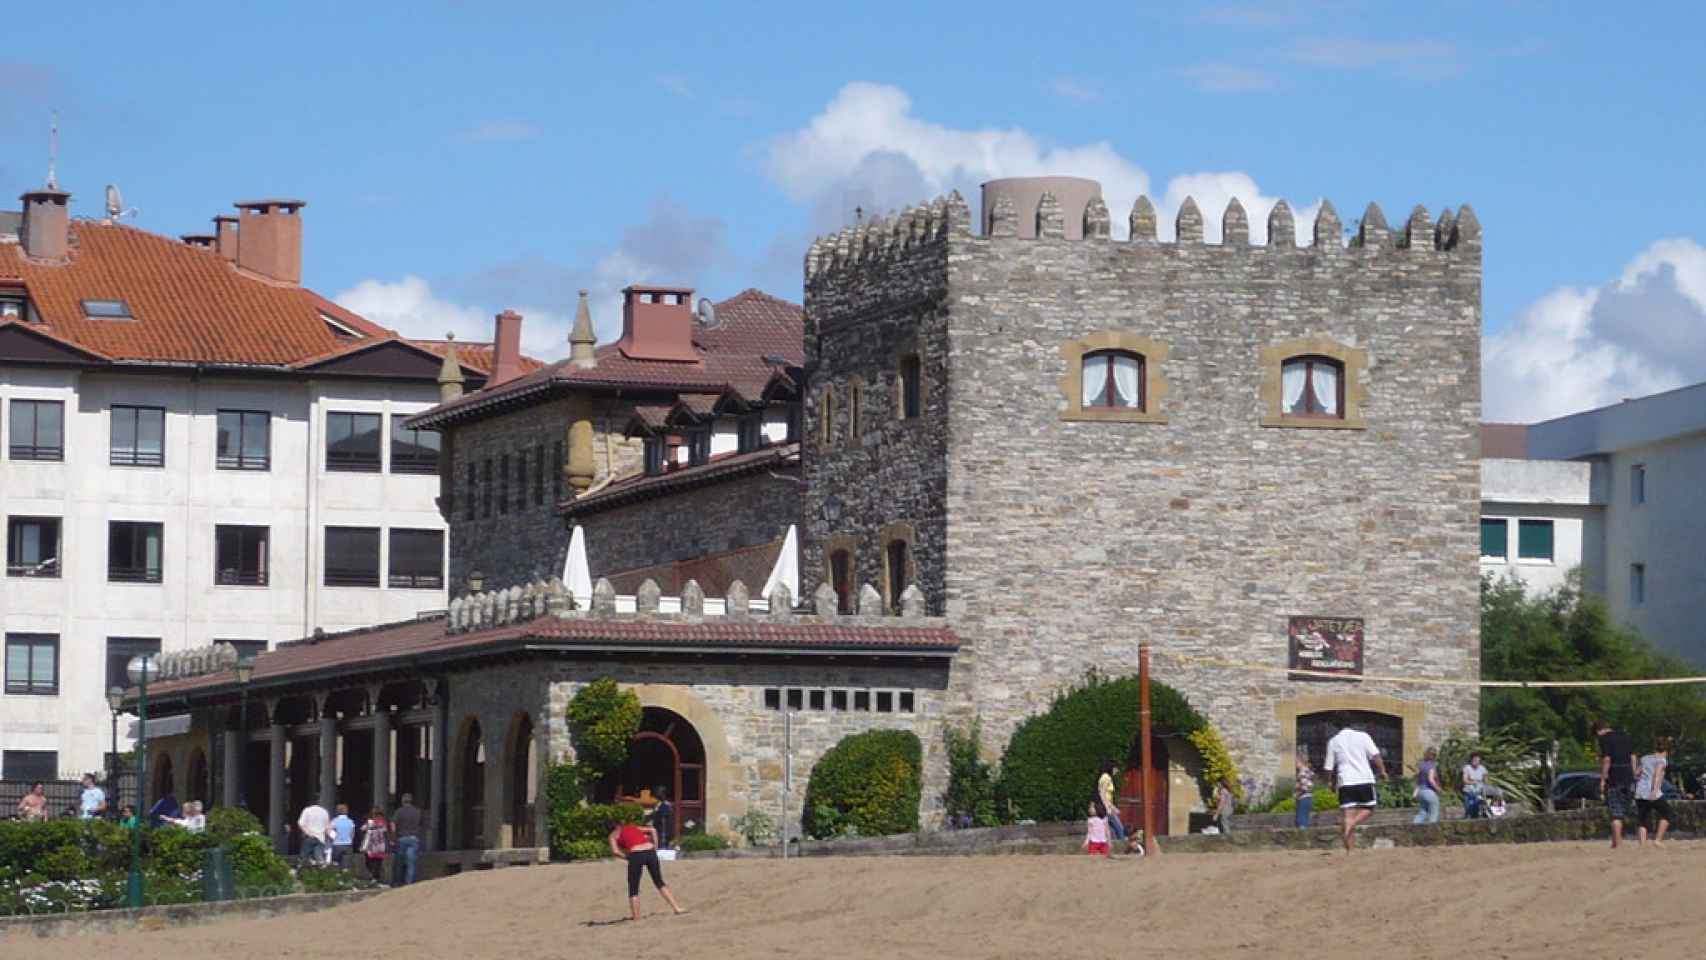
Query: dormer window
(107,310)
(654,456)
(751,432)
(338,330)
(13,308)
(699,447)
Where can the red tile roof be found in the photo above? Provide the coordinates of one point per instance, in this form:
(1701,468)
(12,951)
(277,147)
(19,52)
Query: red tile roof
(191,305)
(407,644)
(642,486)
(752,326)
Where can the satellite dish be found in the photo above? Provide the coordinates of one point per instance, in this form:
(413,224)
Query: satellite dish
(116,209)
(707,314)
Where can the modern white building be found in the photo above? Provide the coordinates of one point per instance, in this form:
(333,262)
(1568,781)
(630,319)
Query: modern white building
(197,449)
(1539,520)
(1648,462)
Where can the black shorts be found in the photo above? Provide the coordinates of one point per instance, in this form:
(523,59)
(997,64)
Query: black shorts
(1356,795)
(1618,800)
(646,860)
(1652,811)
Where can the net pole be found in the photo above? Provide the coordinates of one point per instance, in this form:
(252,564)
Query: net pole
(1150,847)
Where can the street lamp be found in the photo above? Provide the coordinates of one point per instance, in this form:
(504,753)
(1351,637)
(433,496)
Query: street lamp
(245,672)
(115,703)
(140,670)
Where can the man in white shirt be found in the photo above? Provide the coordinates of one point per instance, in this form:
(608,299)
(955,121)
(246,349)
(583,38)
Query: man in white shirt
(316,825)
(1353,760)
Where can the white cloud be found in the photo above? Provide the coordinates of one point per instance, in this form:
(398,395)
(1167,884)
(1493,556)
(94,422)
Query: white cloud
(1069,89)
(1228,78)
(1576,349)
(867,149)
(410,307)
(499,131)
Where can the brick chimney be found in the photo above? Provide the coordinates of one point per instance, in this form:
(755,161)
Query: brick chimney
(225,235)
(506,348)
(657,324)
(269,238)
(47,223)
(201,240)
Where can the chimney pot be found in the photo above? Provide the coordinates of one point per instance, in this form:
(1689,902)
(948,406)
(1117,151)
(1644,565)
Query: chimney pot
(269,238)
(47,223)
(506,348)
(225,234)
(657,324)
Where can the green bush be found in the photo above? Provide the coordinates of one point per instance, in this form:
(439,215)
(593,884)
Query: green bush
(563,789)
(256,868)
(1052,762)
(970,796)
(603,718)
(329,880)
(225,824)
(175,852)
(586,823)
(1322,798)
(869,784)
(586,850)
(700,842)
(755,827)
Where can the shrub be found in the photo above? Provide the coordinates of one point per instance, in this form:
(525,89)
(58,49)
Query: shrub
(257,869)
(756,827)
(586,850)
(1217,765)
(328,880)
(1050,768)
(869,783)
(603,718)
(562,787)
(1322,798)
(175,852)
(970,797)
(225,824)
(586,823)
(702,842)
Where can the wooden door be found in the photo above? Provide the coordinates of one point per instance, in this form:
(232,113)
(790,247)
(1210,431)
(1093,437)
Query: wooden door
(1132,792)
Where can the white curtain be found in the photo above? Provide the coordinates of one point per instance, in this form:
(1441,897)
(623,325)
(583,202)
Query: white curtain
(1292,380)
(1125,380)
(1326,380)
(1095,382)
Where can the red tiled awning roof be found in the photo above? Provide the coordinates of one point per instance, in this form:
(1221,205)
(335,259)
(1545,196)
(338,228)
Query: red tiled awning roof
(417,643)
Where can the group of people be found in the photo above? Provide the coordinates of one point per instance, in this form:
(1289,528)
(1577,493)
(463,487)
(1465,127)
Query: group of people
(92,805)
(1631,783)
(329,840)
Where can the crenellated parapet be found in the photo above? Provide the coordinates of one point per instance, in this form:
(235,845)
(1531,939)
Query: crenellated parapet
(864,252)
(493,609)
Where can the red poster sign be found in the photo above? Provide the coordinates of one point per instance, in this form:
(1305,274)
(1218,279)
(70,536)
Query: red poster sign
(1326,645)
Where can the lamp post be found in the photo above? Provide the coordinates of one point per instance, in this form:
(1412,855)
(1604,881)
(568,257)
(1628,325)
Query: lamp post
(245,672)
(115,703)
(140,670)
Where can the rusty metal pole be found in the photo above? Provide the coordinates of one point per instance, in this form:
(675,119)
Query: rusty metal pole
(1150,847)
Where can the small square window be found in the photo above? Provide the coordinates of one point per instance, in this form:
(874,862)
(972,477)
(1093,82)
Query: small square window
(796,698)
(885,701)
(107,310)
(816,699)
(245,440)
(29,766)
(772,698)
(352,557)
(413,451)
(32,546)
(907,704)
(240,556)
(353,442)
(138,437)
(133,551)
(1495,539)
(838,700)
(416,559)
(32,664)
(1534,540)
(37,430)
(862,700)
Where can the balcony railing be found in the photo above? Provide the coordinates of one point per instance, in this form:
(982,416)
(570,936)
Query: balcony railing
(241,462)
(417,581)
(137,458)
(35,451)
(352,576)
(133,574)
(46,568)
(241,578)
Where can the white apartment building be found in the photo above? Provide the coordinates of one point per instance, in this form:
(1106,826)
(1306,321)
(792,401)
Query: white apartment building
(1539,520)
(196,449)
(1647,458)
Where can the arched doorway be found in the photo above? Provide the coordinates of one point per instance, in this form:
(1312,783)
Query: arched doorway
(1132,788)
(521,788)
(472,762)
(195,785)
(667,753)
(1315,729)
(165,782)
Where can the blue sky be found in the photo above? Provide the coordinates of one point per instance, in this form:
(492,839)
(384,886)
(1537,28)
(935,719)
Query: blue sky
(460,158)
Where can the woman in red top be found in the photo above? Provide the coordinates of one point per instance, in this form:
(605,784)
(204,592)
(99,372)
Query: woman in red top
(639,846)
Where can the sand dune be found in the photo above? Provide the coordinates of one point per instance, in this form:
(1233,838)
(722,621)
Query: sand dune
(1554,900)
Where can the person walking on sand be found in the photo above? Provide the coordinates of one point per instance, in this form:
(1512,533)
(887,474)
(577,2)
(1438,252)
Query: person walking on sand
(1650,800)
(1427,787)
(1105,793)
(1353,761)
(1303,788)
(639,846)
(1096,829)
(375,837)
(1616,776)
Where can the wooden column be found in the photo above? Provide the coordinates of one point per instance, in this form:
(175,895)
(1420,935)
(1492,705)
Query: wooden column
(328,795)
(381,756)
(275,784)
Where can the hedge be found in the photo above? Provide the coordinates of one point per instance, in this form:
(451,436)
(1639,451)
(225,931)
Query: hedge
(584,824)
(1053,759)
(869,784)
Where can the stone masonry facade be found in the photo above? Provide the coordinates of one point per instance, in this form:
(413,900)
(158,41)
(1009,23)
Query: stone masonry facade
(722,515)
(1056,544)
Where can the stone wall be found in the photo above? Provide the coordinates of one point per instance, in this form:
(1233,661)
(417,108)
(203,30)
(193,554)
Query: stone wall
(1066,542)
(741,511)
(527,541)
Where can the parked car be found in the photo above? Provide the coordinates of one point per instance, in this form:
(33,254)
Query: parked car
(1573,791)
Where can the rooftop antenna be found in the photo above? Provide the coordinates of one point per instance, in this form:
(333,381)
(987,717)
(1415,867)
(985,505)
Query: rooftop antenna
(116,210)
(707,314)
(53,152)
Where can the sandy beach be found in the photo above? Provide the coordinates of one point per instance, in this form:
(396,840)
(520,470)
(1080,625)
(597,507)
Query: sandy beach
(1549,900)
